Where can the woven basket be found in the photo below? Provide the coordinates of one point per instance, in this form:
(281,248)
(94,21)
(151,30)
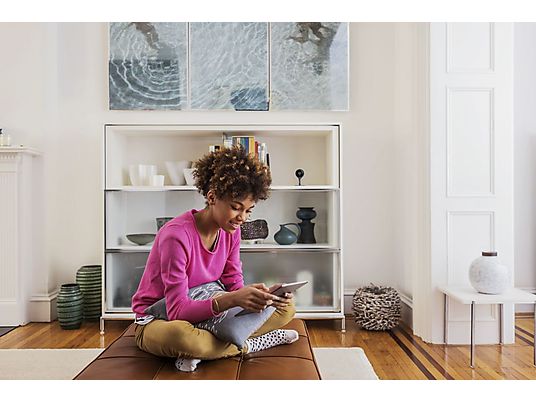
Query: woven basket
(376,308)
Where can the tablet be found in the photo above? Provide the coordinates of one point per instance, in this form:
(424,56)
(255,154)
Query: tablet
(280,291)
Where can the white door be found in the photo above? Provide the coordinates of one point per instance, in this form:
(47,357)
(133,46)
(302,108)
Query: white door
(471,173)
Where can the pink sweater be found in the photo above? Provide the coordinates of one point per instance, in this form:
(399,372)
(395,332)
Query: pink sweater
(179,261)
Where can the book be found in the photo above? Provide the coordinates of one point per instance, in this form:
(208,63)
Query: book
(246,142)
(213,148)
(258,149)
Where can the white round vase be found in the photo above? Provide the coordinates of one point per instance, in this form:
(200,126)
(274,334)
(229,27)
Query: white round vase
(488,275)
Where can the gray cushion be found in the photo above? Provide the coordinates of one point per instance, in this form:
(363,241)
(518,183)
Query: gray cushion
(227,326)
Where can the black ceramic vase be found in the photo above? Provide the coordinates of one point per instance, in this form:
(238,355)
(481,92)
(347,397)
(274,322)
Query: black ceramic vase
(306,214)
(70,306)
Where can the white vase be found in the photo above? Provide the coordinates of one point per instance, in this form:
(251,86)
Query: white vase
(488,275)
(136,173)
(140,175)
(149,172)
(175,171)
(304,296)
(189,176)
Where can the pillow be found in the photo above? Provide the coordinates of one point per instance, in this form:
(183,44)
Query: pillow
(227,326)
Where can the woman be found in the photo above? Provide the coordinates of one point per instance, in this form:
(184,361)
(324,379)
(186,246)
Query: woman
(203,246)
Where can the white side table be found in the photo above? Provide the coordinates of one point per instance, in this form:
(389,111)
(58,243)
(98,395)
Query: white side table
(470,296)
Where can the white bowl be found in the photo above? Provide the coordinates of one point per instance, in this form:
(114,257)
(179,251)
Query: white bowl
(175,171)
(189,176)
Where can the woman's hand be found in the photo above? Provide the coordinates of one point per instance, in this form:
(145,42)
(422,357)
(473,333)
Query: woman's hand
(282,301)
(254,297)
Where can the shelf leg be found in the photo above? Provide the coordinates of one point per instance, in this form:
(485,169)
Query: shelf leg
(343,324)
(473,334)
(102,326)
(501,324)
(446,321)
(534,329)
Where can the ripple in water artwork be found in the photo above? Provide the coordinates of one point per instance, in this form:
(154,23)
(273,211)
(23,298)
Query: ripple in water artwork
(309,65)
(229,65)
(148,65)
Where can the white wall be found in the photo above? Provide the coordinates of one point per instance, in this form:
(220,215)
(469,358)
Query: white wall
(525,154)
(409,165)
(54,97)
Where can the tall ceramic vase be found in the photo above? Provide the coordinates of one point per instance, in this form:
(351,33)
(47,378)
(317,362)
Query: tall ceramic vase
(306,214)
(89,278)
(70,306)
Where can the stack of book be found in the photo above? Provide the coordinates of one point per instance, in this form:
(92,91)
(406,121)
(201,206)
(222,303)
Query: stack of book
(258,149)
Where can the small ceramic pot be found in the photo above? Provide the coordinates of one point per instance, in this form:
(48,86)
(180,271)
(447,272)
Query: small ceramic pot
(285,236)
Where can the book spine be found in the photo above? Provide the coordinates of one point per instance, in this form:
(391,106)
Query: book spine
(263,152)
(227,140)
(251,145)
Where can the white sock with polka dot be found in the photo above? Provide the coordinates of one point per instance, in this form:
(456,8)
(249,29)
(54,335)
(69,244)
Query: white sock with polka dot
(271,339)
(188,365)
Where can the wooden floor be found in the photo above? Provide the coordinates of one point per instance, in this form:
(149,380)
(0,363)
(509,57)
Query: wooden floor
(395,354)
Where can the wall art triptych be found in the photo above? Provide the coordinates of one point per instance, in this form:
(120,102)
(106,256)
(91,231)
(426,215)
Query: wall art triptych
(255,66)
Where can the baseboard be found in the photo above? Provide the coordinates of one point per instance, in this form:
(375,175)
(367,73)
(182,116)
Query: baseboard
(43,307)
(406,313)
(407,310)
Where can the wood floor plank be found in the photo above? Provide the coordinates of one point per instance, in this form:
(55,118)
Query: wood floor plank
(397,355)
(52,336)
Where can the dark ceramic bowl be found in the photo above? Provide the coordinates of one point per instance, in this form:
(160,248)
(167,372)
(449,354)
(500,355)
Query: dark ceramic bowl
(141,239)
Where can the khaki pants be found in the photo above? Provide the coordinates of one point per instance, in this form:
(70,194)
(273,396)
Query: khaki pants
(181,339)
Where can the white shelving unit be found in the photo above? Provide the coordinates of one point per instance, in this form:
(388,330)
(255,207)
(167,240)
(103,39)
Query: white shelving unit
(129,209)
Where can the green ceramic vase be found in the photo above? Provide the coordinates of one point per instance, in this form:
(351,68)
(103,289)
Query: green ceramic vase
(89,278)
(70,306)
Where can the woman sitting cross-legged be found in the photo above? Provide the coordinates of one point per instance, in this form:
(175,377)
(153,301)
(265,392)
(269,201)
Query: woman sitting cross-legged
(199,247)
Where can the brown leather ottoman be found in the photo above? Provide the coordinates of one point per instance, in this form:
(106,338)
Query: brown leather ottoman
(122,360)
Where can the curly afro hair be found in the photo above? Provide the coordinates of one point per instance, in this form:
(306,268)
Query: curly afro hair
(232,173)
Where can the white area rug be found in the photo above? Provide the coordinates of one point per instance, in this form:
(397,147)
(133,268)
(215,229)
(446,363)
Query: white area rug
(44,364)
(65,364)
(344,364)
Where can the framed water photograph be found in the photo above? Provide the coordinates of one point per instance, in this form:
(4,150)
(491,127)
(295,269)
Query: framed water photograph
(229,65)
(148,64)
(309,66)
(242,66)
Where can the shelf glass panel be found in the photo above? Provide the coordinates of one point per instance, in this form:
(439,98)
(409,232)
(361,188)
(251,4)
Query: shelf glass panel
(193,188)
(321,293)
(136,212)
(123,275)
